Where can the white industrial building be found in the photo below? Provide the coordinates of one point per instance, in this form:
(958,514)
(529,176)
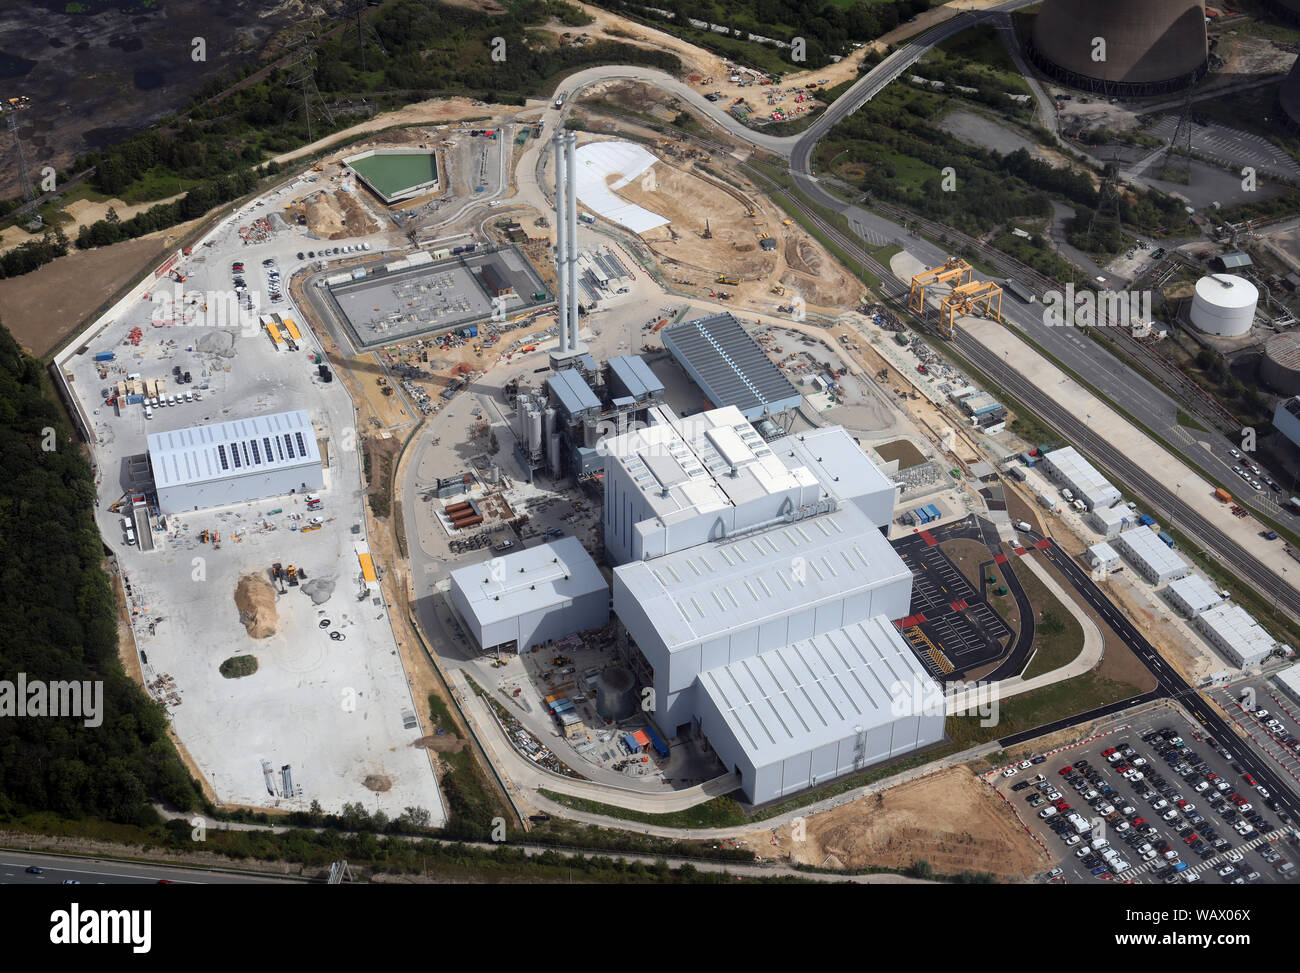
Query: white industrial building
(1193,595)
(757,586)
(1103,557)
(1109,521)
(1235,633)
(1071,470)
(1152,557)
(679,482)
(1288,680)
(532,596)
(235,462)
(793,717)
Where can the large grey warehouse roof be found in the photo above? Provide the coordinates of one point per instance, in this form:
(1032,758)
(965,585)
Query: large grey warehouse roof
(534,579)
(225,449)
(720,356)
(819,690)
(636,376)
(701,591)
(573,392)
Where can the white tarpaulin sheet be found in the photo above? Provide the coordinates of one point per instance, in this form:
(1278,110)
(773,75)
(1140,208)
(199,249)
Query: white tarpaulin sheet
(605,166)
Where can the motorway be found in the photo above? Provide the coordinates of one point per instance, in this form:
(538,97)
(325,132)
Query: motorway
(61,869)
(1120,385)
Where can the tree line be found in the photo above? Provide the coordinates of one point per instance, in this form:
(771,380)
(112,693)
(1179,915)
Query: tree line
(58,621)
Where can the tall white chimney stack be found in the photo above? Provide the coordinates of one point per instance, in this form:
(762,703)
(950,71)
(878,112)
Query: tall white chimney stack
(572,172)
(559,144)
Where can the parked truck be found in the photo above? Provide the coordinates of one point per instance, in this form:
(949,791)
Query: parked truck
(1222,495)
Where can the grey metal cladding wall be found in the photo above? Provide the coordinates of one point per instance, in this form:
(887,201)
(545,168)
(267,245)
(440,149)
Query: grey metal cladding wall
(1147,41)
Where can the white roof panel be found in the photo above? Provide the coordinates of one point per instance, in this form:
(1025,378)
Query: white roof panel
(605,166)
(198,454)
(536,578)
(696,593)
(820,690)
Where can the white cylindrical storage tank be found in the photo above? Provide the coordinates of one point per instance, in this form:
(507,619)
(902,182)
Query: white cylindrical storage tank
(1224,304)
(548,423)
(553,454)
(534,431)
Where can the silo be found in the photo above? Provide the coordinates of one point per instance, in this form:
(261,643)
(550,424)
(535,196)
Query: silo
(1224,304)
(553,454)
(534,431)
(616,694)
(1121,47)
(523,405)
(548,423)
(1279,370)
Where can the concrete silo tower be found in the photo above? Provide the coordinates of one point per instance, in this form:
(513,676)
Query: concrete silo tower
(1121,47)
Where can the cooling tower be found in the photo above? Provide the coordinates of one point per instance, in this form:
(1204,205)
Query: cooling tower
(1286,9)
(1289,95)
(1121,47)
(1279,369)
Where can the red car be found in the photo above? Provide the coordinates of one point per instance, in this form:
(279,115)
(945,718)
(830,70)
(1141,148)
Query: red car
(1108,752)
(1211,776)
(1121,767)
(1067,769)
(1237,799)
(1139,822)
(1248,779)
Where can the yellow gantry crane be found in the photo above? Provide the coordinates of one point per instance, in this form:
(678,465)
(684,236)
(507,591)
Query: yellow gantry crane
(953,269)
(966,299)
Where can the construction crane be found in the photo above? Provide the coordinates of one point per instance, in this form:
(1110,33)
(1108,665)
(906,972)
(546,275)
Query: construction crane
(966,299)
(953,269)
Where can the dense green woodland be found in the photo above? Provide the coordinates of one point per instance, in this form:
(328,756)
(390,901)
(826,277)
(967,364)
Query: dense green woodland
(429,49)
(58,622)
(827,28)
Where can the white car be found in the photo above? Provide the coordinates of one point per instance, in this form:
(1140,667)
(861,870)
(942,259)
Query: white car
(1170,814)
(1149,854)
(1047,812)
(1261,714)
(1160,805)
(1263,791)
(1234,856)
(1246,808)
(1024,765)
(1202,787)
(1009,772)
(1072,840)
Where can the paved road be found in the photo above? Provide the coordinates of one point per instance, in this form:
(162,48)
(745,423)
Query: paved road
(103,871)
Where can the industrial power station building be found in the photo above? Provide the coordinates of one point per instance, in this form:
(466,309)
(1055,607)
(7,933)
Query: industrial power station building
(758,588)
(235,462)
(531,597)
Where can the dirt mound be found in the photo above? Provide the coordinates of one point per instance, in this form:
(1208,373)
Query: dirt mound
(378,783)
(255,599)
(950,819)
(446,743)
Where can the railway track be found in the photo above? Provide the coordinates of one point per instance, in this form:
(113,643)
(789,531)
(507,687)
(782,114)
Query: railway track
(1214,542)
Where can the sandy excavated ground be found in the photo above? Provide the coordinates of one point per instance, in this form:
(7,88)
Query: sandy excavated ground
(950,819)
